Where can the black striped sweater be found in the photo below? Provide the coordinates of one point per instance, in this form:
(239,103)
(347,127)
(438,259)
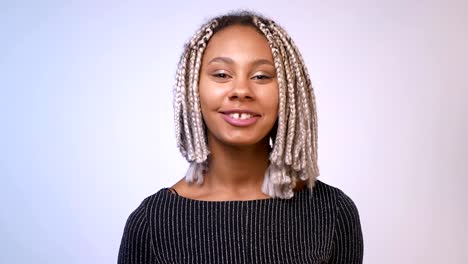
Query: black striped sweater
(315,226)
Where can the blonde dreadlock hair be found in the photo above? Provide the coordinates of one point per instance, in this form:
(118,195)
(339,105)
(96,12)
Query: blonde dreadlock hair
(293,156)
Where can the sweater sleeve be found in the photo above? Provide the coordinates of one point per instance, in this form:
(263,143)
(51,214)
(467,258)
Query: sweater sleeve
(135,247)
(348,245)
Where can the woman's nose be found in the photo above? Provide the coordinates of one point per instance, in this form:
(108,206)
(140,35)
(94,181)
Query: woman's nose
(241,90)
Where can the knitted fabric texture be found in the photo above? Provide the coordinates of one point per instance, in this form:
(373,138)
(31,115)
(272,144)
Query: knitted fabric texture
(315,226)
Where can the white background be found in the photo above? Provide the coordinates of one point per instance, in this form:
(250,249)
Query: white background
(87,126)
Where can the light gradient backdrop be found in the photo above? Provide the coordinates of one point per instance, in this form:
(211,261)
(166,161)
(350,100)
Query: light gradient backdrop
(87,125)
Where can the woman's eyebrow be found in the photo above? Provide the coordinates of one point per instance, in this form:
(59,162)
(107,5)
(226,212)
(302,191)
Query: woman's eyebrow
(262,61)
(221,59)
(228,60)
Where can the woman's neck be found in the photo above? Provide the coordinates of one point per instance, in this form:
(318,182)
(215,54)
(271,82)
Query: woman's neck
(234,173)
(237,169)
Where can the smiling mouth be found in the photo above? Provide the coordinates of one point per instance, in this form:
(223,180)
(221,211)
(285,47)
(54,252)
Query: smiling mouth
(241,116)
(240,113)
(240,119)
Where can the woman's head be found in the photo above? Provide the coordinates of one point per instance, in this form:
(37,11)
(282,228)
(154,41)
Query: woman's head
(238,88)
(260,78)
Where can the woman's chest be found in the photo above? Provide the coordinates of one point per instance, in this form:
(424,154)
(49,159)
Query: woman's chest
(246,235)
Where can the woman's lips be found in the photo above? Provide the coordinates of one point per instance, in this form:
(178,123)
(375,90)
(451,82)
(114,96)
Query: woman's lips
(240,122)
(240,117)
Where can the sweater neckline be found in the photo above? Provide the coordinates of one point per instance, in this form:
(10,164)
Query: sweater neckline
(166,192)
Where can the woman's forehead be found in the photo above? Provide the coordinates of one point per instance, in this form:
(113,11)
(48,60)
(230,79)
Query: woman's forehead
(238,43)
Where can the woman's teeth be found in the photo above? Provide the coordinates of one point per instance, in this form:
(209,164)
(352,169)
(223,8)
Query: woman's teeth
(240,116)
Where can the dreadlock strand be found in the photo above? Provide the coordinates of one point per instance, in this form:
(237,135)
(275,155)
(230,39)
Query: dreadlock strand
(305,107)
(190,115)
(312,105)
(195,173)
(185,132)
(299,77)
(291,103)
(201,149)
(277,153)
(179,97)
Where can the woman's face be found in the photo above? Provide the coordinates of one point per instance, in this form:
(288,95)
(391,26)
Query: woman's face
(238,87)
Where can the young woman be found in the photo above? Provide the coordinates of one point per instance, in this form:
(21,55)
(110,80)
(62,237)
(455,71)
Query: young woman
(245,119)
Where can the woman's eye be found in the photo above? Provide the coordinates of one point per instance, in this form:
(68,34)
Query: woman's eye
(261,77)
(220,75)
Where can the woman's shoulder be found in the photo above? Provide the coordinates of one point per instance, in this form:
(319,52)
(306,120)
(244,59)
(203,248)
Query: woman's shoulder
(157,197)
(328,191)
(148,202)
(341,202)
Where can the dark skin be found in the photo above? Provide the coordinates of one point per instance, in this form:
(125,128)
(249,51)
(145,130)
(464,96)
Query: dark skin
(237,72)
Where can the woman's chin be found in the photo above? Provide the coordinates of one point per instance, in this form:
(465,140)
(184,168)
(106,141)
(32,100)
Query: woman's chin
(244,142)
(244,139)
